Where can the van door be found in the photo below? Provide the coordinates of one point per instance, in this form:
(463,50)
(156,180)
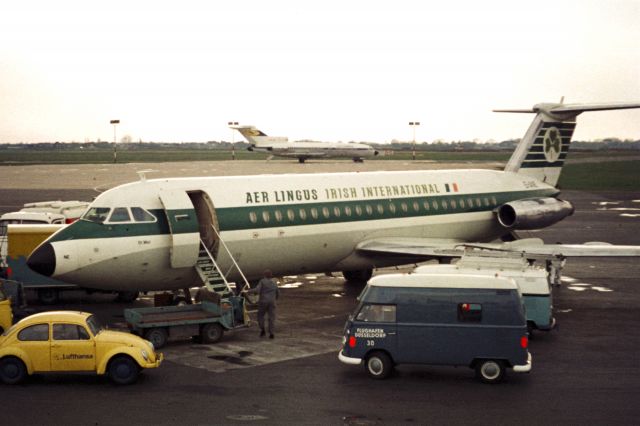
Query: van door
(375,328)
(183,225)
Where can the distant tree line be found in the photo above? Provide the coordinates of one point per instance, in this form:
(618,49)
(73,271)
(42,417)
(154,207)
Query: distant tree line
(508,145)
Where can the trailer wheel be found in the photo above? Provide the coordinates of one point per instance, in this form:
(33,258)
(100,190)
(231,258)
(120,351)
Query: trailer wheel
(211,333)
(490,371)
(48,296)
(378,365)
(12,370)
(123,370)
(157,336)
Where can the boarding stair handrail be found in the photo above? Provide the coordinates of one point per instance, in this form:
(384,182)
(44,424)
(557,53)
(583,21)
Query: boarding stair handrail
(246,282)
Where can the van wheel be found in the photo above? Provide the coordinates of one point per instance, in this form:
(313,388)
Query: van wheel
(490,371)
(211,333)
(123,370)
(12,370)
(157,336)
(378,365)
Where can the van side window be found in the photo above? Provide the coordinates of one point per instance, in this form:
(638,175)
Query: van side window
(377,313)
(469,312)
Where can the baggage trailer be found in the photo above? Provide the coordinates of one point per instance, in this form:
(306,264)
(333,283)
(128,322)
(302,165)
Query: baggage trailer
(206,320)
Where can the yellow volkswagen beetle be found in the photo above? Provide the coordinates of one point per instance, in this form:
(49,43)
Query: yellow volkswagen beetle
(66,341)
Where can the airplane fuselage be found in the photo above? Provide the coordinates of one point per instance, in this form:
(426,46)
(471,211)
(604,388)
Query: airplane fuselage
(304,150)
(141,235)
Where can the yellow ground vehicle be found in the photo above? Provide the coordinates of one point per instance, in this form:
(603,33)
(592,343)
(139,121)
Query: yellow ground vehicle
(6,314)
(66,341)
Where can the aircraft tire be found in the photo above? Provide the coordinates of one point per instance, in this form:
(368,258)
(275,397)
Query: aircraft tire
(360,276)
(490,371)
(127,296)
(378,365)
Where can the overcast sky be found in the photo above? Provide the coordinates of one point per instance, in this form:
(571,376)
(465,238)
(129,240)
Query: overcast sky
(323,70)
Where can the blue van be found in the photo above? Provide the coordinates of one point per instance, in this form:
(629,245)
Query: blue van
(532,280)
(476,321)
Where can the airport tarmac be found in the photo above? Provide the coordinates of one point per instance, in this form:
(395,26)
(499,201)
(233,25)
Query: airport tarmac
(587,371)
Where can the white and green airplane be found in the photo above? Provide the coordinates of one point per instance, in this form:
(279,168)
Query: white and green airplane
(281,147)
(154,234)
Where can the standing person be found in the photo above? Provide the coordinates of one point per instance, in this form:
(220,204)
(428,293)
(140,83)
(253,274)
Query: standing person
(268,293)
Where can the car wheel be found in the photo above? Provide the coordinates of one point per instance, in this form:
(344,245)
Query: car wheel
(123,370)
(490,371)
(12,370)
(157,336)
(211,333)
(378,365)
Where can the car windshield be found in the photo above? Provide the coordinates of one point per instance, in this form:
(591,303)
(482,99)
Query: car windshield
(97,214)
(94,325)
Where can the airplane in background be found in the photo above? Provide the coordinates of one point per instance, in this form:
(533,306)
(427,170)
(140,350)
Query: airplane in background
(280,146)
(164,233)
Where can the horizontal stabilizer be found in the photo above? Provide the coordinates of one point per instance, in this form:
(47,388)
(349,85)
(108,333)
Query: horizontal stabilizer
(572,108)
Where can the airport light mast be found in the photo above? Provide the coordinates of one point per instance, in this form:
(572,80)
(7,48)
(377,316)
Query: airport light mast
(233,139)
(414,124)
(115,155)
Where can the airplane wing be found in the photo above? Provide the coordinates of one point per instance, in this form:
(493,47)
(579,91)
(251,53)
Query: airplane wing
(531,248)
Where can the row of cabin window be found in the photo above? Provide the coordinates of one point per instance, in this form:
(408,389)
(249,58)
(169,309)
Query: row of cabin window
(378,208)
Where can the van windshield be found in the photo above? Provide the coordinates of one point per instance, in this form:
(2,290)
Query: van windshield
(97,214)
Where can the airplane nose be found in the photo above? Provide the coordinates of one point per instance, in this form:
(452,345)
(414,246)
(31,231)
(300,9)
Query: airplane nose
(43,260)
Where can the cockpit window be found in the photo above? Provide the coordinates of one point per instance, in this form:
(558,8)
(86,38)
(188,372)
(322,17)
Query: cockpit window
(97,214)
(141,215)
(120,214)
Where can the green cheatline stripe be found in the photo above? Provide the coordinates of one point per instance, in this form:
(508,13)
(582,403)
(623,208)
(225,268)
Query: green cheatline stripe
(258,217)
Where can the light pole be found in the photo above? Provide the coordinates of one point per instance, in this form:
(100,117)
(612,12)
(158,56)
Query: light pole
(233,143)
(414,124)
(115,155)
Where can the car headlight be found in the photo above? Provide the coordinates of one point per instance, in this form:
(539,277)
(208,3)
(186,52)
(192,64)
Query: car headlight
(150,345)
(145,355)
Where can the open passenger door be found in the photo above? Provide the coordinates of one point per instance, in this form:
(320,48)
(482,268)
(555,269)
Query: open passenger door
(183,225)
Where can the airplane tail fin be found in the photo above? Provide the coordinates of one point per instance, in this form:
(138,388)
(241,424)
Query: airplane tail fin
(257,137)
(543,150)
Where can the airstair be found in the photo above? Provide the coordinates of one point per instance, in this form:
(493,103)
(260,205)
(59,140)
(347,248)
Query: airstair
(209,271)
